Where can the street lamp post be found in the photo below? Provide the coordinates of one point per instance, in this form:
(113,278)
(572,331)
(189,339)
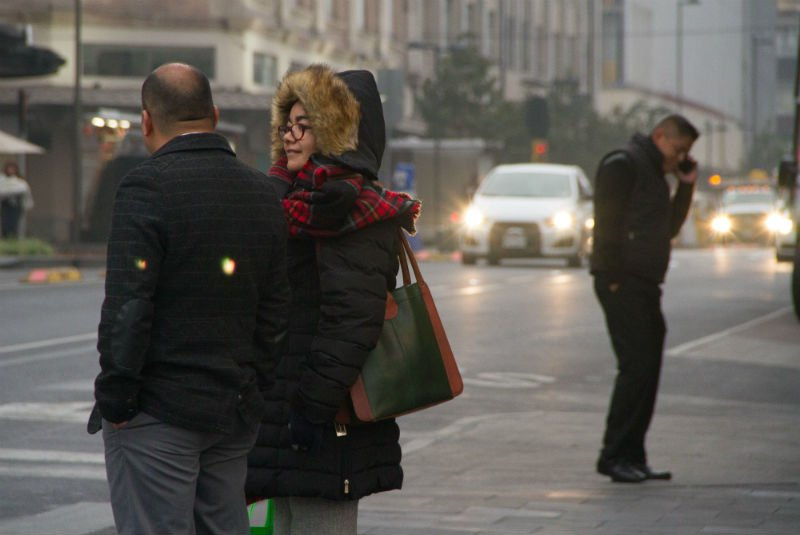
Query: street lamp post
(679,52)
(756,41)
(77,152)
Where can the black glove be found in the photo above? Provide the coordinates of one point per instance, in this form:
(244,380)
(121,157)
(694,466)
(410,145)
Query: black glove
(305,436)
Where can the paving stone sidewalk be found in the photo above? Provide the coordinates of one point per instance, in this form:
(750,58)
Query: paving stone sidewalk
(736,467)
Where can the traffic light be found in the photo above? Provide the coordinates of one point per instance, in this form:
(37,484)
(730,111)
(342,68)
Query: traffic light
(537,118)
(539,150)
(18,59)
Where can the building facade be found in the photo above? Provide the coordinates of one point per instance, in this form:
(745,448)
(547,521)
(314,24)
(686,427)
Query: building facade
(786,50)
(726,64)
(245,47)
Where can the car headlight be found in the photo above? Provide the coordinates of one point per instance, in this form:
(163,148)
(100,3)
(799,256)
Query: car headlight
(721,224)
(473,218)
(778,223)
(562,220)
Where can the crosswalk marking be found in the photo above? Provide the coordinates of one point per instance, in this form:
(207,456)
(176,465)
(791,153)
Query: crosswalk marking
(84,385)
(53,464)
(688,346)
(8,454)
(93,473)
(50,355)
(75,519)
(63,411)
(48,343)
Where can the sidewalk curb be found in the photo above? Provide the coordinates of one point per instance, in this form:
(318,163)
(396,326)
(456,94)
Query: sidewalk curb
(434,255)
(52,269)
(52,275)
(77,261)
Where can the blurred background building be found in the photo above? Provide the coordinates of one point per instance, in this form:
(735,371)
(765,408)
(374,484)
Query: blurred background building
(727,64)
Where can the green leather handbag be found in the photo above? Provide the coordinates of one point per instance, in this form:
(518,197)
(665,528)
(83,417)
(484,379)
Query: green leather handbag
(413,366)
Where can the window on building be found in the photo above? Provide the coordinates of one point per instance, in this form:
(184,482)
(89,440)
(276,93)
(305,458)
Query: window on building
(431,22)
(297,66)
(341,12)
(786,42)
(473,18)
(400,20)
(357,18)
(265,69)
(525,49)
(612,44)
(542,50)
(139,61)
(511,44)
(493,37)
(371,15)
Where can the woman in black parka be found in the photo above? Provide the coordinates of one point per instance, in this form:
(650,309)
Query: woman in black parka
(328,137)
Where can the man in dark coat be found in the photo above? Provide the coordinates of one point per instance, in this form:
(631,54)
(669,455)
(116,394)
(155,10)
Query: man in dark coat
(635,221)
(196,298)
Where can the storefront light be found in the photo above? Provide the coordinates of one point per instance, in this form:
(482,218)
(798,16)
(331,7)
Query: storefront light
(99,122)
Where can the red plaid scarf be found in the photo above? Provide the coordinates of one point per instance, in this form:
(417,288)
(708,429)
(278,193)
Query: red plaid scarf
(328,200)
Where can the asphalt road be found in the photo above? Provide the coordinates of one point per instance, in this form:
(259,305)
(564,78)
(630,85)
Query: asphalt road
(513,454)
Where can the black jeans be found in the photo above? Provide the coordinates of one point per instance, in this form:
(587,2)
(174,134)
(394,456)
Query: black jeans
(10,213)
(637,330)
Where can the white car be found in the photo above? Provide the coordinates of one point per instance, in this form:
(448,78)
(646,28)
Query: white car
(749,214)
(529,211)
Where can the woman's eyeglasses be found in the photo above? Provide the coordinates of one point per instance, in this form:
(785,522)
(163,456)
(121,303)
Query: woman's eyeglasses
(297,130)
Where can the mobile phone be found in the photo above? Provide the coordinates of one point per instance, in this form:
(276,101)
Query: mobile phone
(687,166)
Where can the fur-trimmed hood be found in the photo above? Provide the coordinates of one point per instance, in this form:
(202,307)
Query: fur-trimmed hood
(344,109)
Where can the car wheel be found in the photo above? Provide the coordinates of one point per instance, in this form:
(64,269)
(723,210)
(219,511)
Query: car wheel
(574,261)
(493,259)
(468,259)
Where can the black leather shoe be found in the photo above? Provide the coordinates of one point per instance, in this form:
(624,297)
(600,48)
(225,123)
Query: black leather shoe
(620,471)
(650,473)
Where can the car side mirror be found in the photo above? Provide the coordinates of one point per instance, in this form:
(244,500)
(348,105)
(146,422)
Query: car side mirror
(787,174)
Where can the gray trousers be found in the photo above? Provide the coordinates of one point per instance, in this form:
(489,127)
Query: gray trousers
(315,516)
(169,480)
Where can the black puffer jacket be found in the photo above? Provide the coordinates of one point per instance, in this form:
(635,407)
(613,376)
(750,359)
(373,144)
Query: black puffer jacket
(339,290)
(635,219)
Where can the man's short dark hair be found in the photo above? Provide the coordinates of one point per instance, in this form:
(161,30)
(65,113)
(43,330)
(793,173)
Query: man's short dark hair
(172,97)
(680,125)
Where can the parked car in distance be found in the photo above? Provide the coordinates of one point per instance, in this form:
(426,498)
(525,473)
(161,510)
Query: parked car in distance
(531,210)
(747,214)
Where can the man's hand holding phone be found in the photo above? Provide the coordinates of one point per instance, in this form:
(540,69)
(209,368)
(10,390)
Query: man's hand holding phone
(687,170)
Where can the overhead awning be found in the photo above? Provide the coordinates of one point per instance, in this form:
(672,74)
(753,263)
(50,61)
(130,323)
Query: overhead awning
(13,145)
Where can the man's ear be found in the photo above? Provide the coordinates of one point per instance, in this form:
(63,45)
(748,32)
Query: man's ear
(216,116)
(147,124)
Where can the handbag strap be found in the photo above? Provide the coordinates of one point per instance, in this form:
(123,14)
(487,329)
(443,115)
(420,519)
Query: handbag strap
(406,256)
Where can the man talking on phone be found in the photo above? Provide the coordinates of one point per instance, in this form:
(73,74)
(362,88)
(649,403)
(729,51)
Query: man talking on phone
(636,218)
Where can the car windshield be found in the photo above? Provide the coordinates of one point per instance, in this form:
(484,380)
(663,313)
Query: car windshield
(526,184)
(748,197)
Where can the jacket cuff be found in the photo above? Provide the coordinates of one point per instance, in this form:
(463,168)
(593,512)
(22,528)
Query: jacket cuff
(312,412)
(610,276)
(116,411)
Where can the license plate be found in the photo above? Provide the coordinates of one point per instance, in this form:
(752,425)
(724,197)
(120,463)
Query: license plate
(515,238)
